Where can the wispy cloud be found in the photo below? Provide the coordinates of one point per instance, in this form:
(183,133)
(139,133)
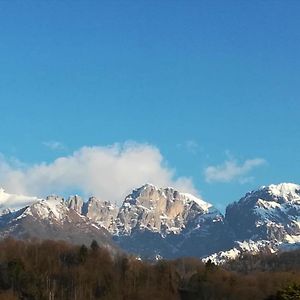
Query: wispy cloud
(54,145)
(232,170)
(190,146)
(109,172)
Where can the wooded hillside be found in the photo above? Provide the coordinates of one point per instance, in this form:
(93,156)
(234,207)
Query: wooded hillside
(56,270)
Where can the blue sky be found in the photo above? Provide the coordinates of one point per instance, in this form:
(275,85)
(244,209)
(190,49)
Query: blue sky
(212,86)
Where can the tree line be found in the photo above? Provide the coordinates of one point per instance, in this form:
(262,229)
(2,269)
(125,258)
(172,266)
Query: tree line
(38,270)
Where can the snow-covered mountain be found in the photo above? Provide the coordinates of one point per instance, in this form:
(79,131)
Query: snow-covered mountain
(156,221)
(264,220)
(151,221)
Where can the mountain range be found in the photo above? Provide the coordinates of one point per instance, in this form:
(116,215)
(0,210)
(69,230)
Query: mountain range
(155,222)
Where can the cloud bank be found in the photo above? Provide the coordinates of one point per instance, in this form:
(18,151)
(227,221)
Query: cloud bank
(108,172)
(231,170)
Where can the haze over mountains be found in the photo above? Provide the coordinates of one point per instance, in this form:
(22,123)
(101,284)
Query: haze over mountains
(161,222)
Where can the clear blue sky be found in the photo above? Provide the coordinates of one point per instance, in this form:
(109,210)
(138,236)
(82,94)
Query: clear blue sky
(203,81)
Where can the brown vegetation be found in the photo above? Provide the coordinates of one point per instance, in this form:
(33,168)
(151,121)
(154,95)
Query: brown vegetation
(56,270)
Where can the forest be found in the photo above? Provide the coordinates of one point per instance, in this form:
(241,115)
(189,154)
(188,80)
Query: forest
(51,270)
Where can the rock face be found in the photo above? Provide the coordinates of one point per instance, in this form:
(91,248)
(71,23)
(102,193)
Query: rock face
(269,213)
(161,221)
(160,210)
(102,212)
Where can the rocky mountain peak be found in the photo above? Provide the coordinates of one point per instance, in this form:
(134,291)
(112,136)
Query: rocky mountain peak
(52,208)
(163,197)
(162,210)
(165,221)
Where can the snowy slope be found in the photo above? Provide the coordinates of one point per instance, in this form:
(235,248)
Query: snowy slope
(240,248)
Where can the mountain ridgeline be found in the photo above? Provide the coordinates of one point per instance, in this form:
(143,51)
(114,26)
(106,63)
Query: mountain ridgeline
(157,222)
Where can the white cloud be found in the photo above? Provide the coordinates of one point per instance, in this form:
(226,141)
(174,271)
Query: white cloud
(108,172)
(231,170)
(54,145)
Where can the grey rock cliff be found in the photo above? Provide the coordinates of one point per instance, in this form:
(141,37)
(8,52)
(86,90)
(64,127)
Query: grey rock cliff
(164,221)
